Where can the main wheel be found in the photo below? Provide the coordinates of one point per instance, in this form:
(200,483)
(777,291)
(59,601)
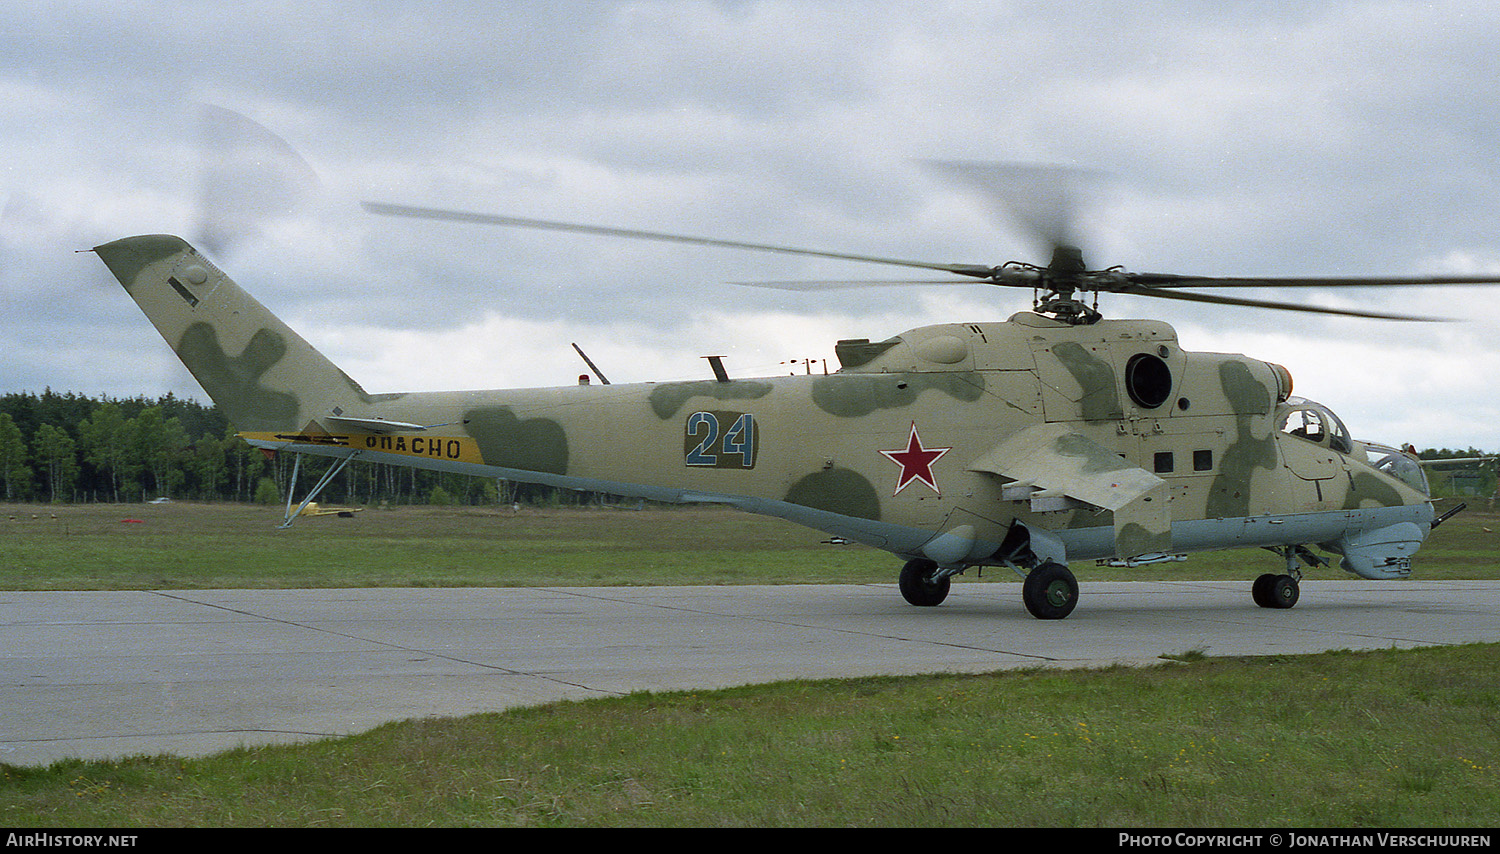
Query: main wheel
(1260,591)
(1283,592)
(918,586)
(1050,591)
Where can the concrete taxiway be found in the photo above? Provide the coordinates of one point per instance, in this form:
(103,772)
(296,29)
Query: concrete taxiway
(109,674)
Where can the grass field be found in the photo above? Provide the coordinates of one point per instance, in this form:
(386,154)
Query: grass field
(187,546)
(224,545)
(1382,739)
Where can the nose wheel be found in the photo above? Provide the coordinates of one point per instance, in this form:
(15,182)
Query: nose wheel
(1275,591)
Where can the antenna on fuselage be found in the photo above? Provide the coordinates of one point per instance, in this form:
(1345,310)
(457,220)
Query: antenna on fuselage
(590,362)
(717,363)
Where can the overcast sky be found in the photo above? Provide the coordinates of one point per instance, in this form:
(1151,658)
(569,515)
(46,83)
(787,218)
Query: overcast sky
(1323,138)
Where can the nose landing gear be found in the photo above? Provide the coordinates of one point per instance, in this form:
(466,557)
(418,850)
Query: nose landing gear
(1275,591)
(1281,591)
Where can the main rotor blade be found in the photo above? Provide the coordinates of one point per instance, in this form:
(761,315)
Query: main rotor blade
(841,284)
(1170,280)
(1286,306)
(1008,276)
(607,231)
(1042,199)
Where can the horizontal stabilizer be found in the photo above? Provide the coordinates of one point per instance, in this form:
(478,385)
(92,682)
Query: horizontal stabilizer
(379,426)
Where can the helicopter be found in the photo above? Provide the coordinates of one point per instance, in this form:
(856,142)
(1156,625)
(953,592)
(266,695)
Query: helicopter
(1055,436)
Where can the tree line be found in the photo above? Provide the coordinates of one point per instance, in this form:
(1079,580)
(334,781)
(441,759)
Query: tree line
(69,448)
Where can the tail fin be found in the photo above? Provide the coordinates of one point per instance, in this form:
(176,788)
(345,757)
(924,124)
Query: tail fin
(262,374)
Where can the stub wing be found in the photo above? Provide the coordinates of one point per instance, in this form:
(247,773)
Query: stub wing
(1053,468)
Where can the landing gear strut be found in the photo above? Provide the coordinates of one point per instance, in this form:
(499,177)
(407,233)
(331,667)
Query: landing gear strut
(322,482)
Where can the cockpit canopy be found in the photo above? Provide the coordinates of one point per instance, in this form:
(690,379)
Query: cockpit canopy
(1313,422)
(1397,464)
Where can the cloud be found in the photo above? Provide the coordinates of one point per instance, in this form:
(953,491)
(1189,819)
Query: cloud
(1352,138)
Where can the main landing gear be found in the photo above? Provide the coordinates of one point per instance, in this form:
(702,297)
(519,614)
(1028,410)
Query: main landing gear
(923,584)
(1049,592)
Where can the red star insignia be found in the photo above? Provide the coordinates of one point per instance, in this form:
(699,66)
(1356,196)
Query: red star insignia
(916,462)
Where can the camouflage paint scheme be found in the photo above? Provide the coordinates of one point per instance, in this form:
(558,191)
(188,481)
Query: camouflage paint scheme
(1004,443)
